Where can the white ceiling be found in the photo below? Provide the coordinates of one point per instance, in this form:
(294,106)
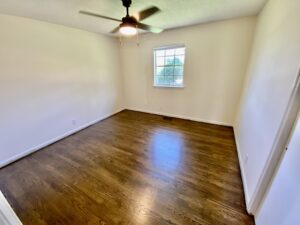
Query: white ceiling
(175,13)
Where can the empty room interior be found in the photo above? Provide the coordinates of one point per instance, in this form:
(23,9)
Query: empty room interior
(156,112)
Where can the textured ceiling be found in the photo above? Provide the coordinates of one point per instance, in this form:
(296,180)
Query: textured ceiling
(175,13)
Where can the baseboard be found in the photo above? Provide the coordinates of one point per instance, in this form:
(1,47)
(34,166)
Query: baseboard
(181,117)
(7,214)
(243,175)
(53,140)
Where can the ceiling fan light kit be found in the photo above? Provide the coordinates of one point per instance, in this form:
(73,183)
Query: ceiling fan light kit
(130,24)
(128,30)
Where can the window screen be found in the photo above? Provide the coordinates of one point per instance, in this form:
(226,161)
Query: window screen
(169,66)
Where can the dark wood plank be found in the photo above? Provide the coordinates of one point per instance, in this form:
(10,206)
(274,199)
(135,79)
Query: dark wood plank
(132,168)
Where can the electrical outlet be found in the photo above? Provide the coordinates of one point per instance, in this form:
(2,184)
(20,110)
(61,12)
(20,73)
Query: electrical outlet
(246,159)
(298,75)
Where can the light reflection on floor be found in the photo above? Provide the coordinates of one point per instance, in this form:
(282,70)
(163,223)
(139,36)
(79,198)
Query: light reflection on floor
(166,155)
(145,203)
(167,150)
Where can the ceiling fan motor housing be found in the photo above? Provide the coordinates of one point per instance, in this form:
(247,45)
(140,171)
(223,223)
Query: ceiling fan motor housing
(128,21)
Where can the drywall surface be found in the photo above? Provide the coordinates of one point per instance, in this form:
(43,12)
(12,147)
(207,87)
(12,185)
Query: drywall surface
(271,75)
(216,60)
(282,202)
(53,80)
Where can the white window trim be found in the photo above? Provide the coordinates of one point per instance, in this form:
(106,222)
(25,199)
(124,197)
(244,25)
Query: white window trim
(168,86)
(166,47)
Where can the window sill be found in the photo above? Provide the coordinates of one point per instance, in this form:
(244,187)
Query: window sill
(167,86)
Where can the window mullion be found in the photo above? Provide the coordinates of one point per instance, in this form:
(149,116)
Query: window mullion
(164,72)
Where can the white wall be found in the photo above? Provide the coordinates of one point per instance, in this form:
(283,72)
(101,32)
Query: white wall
(216,60)
(51,75)
(282,202)
(271,75)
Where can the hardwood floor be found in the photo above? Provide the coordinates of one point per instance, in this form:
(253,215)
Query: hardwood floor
(132,168)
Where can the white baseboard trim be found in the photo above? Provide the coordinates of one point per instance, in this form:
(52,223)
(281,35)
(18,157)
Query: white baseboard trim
(243,173)
(181,117)
(53,140)
(7,214)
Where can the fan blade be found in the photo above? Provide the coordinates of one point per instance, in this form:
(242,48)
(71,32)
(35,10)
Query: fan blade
(97,15)
(147,12)
(149,28)
(115,30)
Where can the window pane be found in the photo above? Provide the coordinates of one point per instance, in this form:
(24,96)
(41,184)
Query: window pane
(169,60)
(179,60)
(159,80)
(160,53)
(169,67)
(160,71)
(169,70)
(170,79)
(160,61)
(178,80)
(178,70)
(170,52)
(180,51)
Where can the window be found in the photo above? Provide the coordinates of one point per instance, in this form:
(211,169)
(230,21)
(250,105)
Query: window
(169,66)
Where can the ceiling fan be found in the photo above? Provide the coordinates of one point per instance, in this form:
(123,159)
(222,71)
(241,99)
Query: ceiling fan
(130,24)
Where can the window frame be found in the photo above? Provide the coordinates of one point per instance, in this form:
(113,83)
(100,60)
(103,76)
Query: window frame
(167,47)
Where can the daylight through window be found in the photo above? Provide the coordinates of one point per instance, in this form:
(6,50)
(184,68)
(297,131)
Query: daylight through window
(169,66)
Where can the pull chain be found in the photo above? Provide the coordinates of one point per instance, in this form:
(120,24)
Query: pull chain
(137,38)
(121,40)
